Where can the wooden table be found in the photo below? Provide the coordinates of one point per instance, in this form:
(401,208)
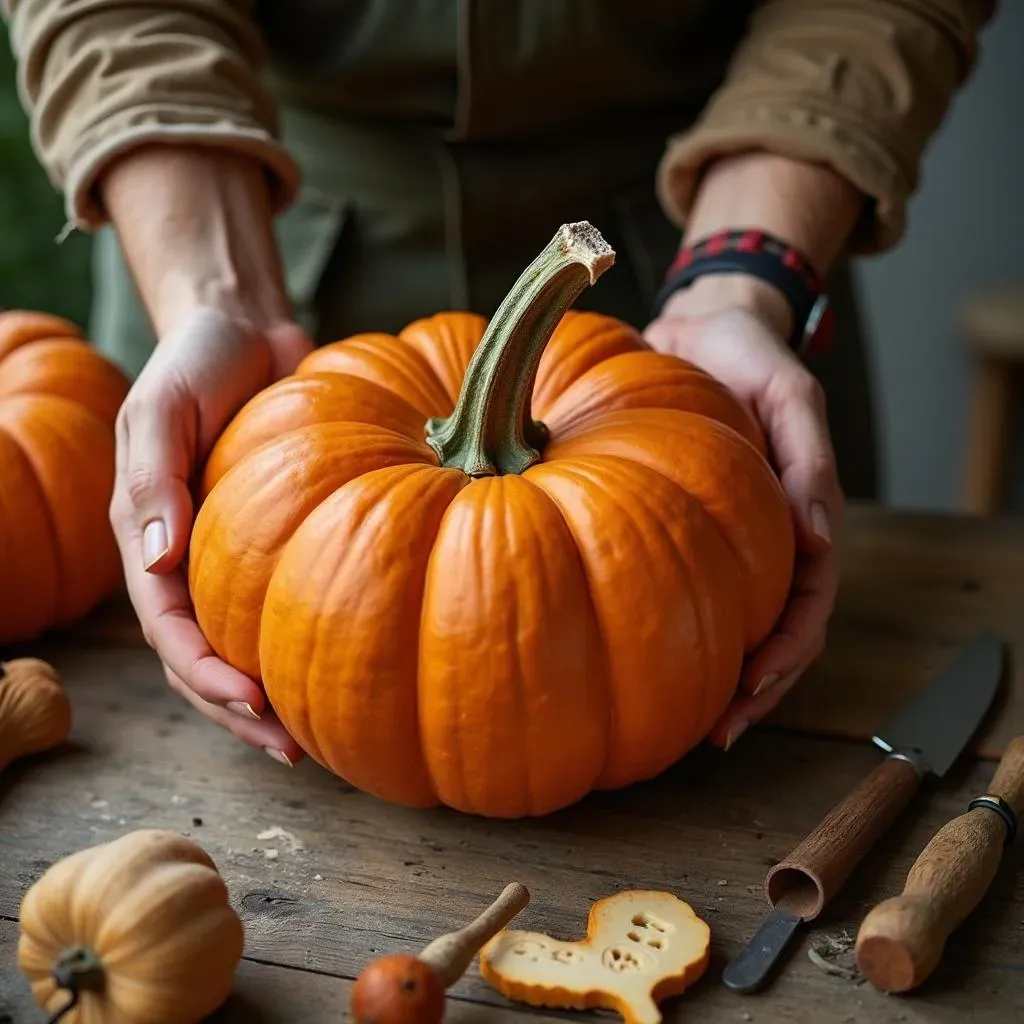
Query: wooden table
(354,878)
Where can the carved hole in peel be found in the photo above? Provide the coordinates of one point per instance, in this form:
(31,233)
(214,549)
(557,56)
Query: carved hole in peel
(644,920)
(654,943)
(532,950)
(566,956)
(633,937)
(621,961)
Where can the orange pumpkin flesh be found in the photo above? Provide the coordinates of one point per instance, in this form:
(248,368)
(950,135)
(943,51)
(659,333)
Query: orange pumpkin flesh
(398,989)
(455,618)
(58,402)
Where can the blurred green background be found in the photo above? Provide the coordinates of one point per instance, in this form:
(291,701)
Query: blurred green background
(35,272)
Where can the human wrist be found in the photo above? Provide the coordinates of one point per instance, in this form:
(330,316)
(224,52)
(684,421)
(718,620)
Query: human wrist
(719,293)
(195,225)
(806,205)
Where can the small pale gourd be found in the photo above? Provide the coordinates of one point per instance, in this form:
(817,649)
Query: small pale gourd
(35,714)
(134,931)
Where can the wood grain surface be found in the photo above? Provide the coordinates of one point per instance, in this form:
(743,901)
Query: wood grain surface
(913,589)
(326,878)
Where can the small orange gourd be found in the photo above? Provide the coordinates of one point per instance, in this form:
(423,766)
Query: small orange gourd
(58,401)
(35,713)
(133,931)
(406,989)
(535,536)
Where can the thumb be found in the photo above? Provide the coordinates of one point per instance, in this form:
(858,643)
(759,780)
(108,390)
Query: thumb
(154,477)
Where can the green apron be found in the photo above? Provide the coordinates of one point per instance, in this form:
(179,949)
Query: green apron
(442,143)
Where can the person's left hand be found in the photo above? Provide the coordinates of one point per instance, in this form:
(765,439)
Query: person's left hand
(734,330)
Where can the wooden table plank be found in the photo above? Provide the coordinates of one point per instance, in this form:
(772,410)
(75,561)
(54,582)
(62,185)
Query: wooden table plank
(264,994)
(913,589)
(371,879)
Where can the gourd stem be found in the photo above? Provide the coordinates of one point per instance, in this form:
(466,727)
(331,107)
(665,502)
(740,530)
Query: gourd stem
(64,1010)
(451,954)
(77,970)
(492,430)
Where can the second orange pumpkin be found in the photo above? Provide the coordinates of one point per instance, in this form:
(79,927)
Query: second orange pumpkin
(499,565)
(58,401)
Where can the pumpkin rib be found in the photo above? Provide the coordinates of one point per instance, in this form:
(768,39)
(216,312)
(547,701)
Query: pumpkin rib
(581,341)
(65,368)
(304,401)
(33,542)
(604,498)
(255,509)
(48,517)
(446,341)
(725,473)
(340,628)
(387,361)
(499,674)
(650,380)
(20,327)
(81,547)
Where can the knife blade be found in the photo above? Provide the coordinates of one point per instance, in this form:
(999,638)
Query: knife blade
(901,940)
(923,738)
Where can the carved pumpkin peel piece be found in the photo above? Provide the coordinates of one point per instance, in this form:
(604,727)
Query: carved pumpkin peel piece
(642,947)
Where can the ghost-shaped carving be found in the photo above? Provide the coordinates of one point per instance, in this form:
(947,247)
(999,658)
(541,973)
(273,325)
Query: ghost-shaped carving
(641,948)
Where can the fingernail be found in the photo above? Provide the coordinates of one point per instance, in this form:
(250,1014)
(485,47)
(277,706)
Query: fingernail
(241,708)
(819,522)
(769,680)
(279,755)
(735,733)
(154,543)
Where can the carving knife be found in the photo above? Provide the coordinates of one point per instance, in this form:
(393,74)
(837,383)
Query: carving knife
(900,942)
(924,738)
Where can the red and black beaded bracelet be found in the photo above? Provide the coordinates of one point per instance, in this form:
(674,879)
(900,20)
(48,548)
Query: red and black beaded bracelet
(760,255)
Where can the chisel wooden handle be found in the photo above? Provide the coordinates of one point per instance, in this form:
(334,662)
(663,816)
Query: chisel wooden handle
(901,940)
(814,871)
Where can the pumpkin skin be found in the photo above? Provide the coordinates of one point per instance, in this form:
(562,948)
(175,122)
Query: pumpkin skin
(501,644)
(35,713)
(149,913)
(58,402)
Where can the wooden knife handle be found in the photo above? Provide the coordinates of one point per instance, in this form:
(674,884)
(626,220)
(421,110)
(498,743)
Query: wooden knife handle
(815,870)
(901,940)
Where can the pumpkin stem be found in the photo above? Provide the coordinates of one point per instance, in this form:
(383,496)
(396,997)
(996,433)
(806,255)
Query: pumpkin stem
(492,432)
(77,970)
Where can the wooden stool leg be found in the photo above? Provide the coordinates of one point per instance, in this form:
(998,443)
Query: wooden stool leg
(988,435)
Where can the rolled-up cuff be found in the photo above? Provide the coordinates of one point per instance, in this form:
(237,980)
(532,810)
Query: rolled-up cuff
(83,207)
(801,133)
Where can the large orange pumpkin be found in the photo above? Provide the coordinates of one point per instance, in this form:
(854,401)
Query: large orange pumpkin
(460,619)
(58,401)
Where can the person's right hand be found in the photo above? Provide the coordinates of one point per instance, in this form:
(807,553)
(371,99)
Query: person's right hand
(203,370)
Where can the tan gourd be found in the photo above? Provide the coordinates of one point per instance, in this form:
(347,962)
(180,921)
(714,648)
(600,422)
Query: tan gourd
(35,714)
(134,931)
(641,948)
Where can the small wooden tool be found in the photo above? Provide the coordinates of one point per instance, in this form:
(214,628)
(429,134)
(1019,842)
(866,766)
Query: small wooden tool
(406,989)
(901,940)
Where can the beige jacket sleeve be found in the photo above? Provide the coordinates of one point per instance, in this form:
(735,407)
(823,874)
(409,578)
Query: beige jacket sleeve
(102,76)
(858,85)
